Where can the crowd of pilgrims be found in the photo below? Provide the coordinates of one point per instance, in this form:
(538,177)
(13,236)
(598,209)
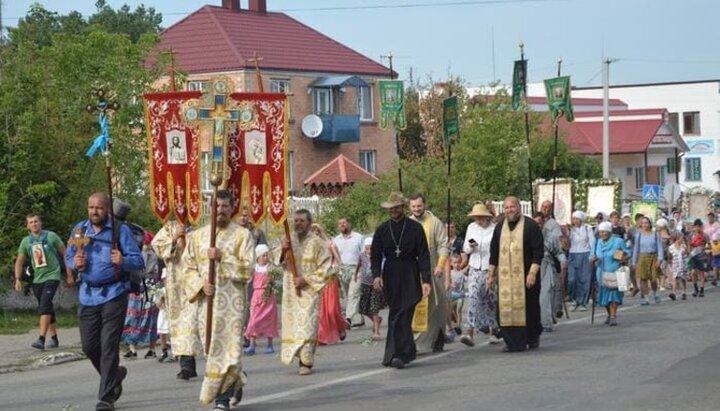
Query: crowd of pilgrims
(669,258)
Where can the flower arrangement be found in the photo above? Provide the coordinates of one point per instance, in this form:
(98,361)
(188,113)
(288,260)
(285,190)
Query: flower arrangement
(274,284)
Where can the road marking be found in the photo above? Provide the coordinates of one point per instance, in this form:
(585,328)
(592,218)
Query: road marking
(320,385)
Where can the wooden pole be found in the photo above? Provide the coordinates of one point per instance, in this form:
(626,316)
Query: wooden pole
(209,299)
(527,129)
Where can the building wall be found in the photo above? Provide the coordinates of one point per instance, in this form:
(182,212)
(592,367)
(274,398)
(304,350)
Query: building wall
(309,156)
(703,97)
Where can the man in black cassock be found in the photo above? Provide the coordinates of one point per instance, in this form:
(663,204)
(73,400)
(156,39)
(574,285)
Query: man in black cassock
(400,261)
(516,251)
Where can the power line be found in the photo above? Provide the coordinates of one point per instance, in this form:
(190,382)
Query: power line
(660,61)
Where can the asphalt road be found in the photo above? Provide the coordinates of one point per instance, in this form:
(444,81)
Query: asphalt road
(660,357)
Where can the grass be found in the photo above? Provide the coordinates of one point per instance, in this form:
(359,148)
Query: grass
(22,321)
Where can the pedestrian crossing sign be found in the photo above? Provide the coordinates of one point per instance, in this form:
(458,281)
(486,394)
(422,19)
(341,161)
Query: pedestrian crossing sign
(651,192)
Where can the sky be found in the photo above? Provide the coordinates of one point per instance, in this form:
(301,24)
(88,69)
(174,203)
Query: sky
(652,40)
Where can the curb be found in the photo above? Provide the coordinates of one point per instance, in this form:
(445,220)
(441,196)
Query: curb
(47,360)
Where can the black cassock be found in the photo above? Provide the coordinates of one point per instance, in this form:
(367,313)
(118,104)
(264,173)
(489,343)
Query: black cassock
(518,338)
(401,276)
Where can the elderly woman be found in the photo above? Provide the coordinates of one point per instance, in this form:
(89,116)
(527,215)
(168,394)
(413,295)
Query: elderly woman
(482,307)
(582,241)
(647,256)
(607,258)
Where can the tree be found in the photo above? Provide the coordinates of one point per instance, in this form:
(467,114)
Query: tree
(134,23)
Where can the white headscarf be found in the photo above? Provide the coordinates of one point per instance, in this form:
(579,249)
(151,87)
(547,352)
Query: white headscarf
(605,226)
(261,249)
(579,215)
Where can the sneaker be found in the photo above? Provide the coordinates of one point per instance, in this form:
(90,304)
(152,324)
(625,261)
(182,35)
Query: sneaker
(582,308)
(547,329)
(493,339)
(701,293)
(235,400)
(163,356)
(672,296)
(246,342)
(269,350)
(465,339)
(53,343)
(130,354)
(644,302)
(303,370)
(150,354)
(39,344)
(657,299)
(574,307)
(250,350)
(221,407)
(695,294)
(613,322)
(684,297)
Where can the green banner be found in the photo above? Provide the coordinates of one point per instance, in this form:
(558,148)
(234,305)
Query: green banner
(558,97)
(450,119)
(392,104)
(518,84)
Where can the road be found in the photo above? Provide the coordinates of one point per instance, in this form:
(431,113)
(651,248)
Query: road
(660,357)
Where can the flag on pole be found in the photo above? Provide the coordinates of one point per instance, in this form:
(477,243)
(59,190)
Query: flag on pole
(519,82)
(174,150)
(558,97)
(392,104)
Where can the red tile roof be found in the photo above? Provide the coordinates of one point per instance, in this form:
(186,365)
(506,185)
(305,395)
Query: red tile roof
(340,170)
(214,39)
(627,136)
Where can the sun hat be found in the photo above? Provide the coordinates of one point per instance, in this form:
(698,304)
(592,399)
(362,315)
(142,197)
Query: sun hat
(394,199)
(479,210)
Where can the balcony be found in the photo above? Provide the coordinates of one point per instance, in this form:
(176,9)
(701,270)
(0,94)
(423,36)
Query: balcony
(340,128)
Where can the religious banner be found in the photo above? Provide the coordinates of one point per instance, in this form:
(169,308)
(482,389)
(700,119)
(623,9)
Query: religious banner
(600,199)
(174,150)
(648,209)
(257,153)
(518,84)
(559,100)
(563,198)
(392,104)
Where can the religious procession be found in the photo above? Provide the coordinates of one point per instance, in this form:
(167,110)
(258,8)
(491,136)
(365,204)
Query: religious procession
(213,215)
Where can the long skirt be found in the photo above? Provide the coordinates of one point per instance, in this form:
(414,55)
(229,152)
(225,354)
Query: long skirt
(140,321)
(579,277)
(332,324)
(371,300)
(263,316)
(482,303)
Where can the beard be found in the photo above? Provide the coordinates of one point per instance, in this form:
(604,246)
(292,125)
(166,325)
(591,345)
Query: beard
(513,218)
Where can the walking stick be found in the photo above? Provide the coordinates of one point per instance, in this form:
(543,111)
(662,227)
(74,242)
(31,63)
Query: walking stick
(209,299)
(562,291)
(290,255)
(592,293)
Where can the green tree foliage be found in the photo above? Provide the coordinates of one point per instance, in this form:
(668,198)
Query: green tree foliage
(49,71)
(134,23)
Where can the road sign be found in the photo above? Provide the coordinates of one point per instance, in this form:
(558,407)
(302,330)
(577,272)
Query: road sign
(651,192)
(450,118)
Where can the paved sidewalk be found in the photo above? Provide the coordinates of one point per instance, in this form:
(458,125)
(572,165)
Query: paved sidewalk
(17,355)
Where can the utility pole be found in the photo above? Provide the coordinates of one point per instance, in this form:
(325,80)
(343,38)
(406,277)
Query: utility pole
(606,117)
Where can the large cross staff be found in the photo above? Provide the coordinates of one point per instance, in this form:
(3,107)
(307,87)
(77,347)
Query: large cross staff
(290,255)
(222,116)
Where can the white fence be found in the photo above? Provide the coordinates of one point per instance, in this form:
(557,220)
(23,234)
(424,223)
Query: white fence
(524,206)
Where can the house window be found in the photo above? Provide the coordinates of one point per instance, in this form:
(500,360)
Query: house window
(639,177)
(200,85)
(365,103)
(367,160)
(693,169)
(674,122)
(691,122)
(290,171)
(662,175)
(323,101)
(279,86)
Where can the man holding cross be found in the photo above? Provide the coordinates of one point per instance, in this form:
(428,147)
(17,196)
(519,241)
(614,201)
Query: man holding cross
(234,255)
(101,253)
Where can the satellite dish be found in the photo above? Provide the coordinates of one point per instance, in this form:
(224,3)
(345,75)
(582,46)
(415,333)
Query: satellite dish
(312,126)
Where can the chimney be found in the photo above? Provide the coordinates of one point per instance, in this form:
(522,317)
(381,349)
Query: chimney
(258,6)
(233,5)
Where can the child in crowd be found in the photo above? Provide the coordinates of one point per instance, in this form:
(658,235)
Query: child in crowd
(678,266)
(371,300)
(698,263)
(263,307)
(456,293)
(163,325)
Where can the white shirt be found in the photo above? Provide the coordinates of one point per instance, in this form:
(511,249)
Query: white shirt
(582,239)
(479,255)
(349,247)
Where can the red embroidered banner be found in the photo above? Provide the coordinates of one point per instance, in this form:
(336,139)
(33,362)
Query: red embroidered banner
(257,155)
(174,150)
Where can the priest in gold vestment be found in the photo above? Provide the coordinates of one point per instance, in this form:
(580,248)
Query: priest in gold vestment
(234,254)
(516,251)
(301,314)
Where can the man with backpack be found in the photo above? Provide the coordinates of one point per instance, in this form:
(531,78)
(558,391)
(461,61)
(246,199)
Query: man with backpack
(44,251)
(103,253)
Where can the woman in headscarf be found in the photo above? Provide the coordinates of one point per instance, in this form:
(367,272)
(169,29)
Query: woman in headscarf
(607,257)
(582,242)
(647,255)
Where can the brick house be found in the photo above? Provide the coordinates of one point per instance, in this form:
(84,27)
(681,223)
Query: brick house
(320,76)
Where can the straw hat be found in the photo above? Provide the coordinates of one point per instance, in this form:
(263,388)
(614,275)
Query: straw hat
(394,199)
(479,210)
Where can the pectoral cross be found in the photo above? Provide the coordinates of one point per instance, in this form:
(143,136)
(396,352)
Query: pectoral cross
(397,251)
